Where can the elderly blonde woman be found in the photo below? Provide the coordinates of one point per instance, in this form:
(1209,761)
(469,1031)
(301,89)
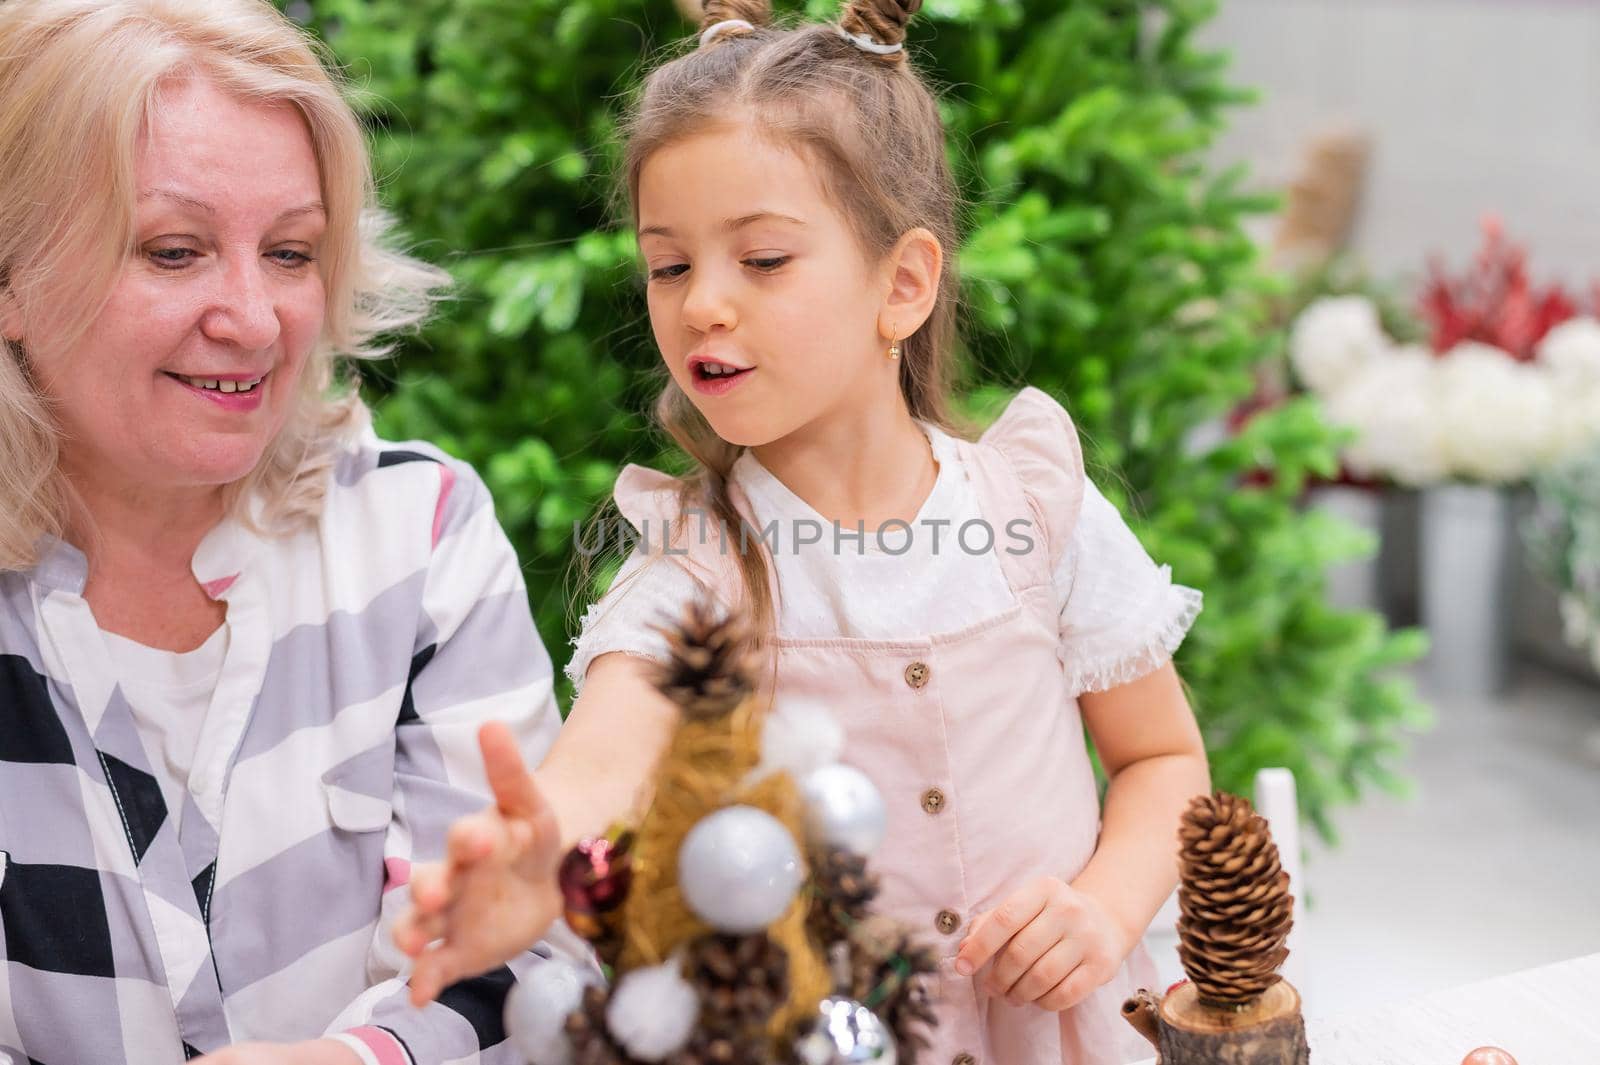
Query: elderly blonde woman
(245,646)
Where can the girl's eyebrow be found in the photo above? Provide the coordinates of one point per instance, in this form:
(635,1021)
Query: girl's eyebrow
(731,224)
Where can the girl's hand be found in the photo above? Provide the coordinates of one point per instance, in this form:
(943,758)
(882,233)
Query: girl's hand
(1050,944)
(316,1052)
(495,893)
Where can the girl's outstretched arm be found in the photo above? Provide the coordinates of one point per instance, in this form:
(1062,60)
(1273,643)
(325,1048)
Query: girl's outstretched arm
(495,893)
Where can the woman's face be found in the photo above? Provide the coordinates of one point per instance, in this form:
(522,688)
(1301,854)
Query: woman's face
(763,303)
(192,365)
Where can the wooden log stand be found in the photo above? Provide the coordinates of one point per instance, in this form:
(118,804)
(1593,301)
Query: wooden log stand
(1186,1031)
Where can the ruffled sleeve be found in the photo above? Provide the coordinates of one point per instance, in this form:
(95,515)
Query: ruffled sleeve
(1122,616)
(665,571)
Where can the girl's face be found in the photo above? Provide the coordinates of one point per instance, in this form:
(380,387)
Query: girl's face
(767,311)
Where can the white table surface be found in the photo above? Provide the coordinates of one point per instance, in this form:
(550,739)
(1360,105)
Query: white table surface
(1544,1016)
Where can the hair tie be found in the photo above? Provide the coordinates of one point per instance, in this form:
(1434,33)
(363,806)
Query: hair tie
(718,29)
(867,44)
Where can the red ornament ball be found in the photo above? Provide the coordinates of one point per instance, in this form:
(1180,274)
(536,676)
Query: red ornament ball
(596,874)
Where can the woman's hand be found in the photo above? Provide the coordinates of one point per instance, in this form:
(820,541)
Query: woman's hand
(495,893)
(315,1052)
(1050,943)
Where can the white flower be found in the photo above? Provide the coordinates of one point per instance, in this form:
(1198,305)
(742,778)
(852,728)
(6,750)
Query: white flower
(1572,351)
(1333,339)
(1389,404)
(1497,417)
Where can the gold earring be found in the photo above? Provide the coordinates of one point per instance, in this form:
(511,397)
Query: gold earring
(894,348)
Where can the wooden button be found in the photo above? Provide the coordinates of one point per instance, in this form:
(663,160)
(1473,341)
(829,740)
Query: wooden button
(963,1059)
(933,801)
(917,674)
(947,922)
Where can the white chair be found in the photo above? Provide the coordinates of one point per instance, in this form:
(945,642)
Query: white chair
(1275,800)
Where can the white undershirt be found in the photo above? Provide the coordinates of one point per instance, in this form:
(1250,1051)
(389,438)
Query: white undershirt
(1121,615)
(170,694)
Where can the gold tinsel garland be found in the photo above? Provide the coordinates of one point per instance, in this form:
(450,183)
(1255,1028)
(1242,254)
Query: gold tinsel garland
(707,762)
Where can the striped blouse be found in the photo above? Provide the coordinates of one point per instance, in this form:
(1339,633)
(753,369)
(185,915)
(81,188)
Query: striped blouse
(340,744)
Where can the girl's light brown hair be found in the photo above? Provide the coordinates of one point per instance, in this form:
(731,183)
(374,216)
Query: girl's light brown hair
(871,125)
(79,82)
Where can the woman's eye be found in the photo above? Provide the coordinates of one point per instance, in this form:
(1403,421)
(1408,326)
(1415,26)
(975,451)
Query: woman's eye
(667,273)
(169,258)
(767,265)
(290,257)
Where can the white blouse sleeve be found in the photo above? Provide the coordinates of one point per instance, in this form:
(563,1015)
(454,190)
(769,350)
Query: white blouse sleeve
(1121,615)
(649,591)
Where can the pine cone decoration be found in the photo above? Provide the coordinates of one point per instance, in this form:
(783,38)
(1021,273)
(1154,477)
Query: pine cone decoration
(743,981)
(711,667)
(586,1030)
(1235,901)
(844,891)
(890,974)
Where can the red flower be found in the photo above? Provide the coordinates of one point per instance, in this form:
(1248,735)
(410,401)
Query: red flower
(1494,302)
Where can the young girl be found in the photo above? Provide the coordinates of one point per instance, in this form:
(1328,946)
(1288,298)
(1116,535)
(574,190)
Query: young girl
(963,608)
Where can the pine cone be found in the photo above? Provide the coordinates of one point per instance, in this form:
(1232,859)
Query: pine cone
(711,666)
(843,890)
(891,973)
(743,981)
(586,1030)
(1235,901)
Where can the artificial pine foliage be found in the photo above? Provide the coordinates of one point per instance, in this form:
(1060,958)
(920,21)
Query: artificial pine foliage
(1105,263)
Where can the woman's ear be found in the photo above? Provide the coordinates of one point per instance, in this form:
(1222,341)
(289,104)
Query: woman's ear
(913,268)
(10,312)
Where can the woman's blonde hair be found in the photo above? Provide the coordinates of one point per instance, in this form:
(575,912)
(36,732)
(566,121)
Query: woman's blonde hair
(79,80)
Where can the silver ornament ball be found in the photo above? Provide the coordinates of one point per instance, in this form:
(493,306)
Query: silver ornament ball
(844,809)
(845,1033)
(739,869)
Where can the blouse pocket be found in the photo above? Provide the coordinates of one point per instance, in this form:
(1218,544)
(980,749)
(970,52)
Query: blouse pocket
(359,792)
(355,812)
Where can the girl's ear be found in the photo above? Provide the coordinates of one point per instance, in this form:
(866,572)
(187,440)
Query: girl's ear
(912,268)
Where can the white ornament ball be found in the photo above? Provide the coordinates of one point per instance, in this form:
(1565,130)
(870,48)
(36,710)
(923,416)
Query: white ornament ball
(537,1011)
(739,869)
(844,809)
(653,1011)
(799,735)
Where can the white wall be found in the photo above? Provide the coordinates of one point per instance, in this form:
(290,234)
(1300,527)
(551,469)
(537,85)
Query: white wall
(1474,106)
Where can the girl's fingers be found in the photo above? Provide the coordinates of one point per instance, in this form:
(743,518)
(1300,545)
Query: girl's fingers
(407,933)
(1023,951)
(430,887)
(443,965)
(475,837)
(514,790)
(1073,989)
(994,929)
(1046,973)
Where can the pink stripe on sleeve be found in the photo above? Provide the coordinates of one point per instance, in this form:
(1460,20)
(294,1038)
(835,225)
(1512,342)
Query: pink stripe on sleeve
(384,1047)
(215,588)
(396,873)
(447,481)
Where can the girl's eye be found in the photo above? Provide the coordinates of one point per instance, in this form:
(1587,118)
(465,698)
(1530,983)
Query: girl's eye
(667,273)
(767,265)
